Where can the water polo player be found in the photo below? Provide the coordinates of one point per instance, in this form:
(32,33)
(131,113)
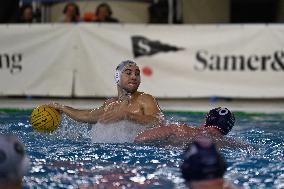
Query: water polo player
(14,164)
(129,104)
(204,166)
(218,123)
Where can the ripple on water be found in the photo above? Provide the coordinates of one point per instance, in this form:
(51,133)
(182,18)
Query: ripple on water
(68,159)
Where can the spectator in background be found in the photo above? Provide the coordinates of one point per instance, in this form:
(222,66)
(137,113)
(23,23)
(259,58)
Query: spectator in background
(26,14)
(204,167)
(104,14)
(14,163)
(71,12)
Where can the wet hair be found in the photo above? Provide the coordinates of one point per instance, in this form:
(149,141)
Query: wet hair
(14,163)
(220,118)
(103,5)
(77,10)
(202,161)
(120,68)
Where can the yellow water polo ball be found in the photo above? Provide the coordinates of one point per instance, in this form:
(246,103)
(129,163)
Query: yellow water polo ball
(45,119)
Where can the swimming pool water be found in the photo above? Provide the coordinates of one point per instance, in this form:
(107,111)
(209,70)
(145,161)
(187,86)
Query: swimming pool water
(68,159)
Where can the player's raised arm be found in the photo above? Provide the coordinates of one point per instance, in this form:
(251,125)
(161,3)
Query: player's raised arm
(89,116)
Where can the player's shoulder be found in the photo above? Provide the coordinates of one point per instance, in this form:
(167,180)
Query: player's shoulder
(145,96)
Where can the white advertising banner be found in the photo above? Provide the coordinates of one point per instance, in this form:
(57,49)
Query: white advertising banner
(36,60)
(176,61)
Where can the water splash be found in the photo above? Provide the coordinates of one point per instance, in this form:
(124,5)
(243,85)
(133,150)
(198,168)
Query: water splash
(120,132)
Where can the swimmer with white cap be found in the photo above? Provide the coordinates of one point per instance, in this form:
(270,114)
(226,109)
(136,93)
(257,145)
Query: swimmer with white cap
(218,123)
(129,104)
(14,164)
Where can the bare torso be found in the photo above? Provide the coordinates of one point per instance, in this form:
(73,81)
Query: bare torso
(133,103)
(138,107)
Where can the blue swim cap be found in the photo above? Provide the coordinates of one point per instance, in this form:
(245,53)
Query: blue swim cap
(202,161)
(220,118)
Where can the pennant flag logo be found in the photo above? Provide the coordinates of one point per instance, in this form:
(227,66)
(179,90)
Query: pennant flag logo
(145,47)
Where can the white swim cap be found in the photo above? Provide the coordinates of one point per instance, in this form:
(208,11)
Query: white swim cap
(14,163)
(119,69)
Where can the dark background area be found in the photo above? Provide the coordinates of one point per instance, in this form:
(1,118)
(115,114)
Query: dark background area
(241,11)
(253,11)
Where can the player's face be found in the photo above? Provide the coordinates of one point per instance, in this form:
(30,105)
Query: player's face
(103,13)
(130,78)
(71,11)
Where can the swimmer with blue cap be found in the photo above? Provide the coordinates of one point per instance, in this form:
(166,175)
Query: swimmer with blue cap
(14,163)
(221,119)
(203,166)
(218,123)
(129,104)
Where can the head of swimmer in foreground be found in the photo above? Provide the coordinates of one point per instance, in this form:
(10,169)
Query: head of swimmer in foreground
(221,119)
(14,163)
(203,164)
(127,76)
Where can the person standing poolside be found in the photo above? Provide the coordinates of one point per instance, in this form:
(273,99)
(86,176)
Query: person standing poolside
(14,164)
(204,167)
(130,104)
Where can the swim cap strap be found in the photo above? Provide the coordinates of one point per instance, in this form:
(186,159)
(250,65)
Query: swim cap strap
(117,76)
